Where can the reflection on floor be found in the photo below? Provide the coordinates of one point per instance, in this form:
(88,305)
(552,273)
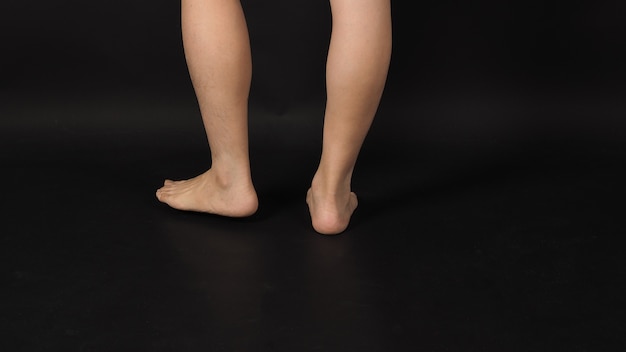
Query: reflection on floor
(455,247)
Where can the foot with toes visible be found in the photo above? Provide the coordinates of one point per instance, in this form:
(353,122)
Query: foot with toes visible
(208,193)
(330,211)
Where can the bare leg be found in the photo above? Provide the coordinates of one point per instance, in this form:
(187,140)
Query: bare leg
(217,50)
(358,61)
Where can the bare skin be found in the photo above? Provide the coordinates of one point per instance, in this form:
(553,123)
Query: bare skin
(356,70)
(207,193)
(218,56)
(217,50)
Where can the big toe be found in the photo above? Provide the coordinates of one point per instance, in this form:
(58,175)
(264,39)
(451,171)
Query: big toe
(161,195)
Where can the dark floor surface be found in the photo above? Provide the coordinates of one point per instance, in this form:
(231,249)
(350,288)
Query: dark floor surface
(457,245)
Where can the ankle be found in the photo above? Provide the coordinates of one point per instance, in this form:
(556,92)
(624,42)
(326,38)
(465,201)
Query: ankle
(228,177)
(329,184)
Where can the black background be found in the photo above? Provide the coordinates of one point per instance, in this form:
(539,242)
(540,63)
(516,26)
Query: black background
(544,57)
(491,184)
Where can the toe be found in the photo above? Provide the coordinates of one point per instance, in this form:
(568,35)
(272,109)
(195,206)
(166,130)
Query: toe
(162,194)
(355,201)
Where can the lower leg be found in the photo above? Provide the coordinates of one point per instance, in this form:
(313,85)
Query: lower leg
(218,56)
(358,61)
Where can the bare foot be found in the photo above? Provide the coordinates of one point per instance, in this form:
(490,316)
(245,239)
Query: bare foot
(206,194)
(330,214)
